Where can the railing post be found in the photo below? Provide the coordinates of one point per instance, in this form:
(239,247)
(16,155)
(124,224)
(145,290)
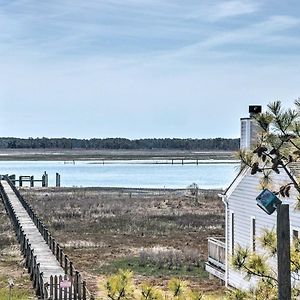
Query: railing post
(41,285)
(51,287)
(47,236)
(66,264)
(79,291)
(53,246)
(57,251)
(46,292)
(60,289)
(60,257)
(34,272)
(31,264)
(71,268)
(55,287)
(83,290)
(75,286)
(50,242)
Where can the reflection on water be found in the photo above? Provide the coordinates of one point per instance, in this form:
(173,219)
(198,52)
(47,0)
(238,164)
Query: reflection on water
(126,173)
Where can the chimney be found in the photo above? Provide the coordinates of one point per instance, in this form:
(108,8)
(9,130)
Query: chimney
(249,128)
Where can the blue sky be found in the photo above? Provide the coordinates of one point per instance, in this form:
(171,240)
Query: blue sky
(143,68)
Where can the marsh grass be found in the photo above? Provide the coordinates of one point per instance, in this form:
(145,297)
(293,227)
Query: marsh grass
(162,257)
(127,213)
(18,292)
(103,230)
(15,294)
(151,270)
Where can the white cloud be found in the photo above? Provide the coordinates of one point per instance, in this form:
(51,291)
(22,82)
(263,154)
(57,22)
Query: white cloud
(141,68)
(267,34)
(212,12)
(227,9)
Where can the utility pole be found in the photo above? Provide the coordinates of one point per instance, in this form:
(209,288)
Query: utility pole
(283,252)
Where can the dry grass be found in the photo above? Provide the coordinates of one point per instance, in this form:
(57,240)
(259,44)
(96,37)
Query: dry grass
(100,227)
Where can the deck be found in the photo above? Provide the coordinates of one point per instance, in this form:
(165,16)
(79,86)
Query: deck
(215,264)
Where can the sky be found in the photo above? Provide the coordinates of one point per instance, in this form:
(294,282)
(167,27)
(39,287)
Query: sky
(144,68)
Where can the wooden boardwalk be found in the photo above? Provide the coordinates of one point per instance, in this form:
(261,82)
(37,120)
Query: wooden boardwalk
(53,274)
(44,256)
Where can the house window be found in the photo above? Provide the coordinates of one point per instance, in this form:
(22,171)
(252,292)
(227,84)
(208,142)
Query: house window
(232,233)
(295,235)
(253,234)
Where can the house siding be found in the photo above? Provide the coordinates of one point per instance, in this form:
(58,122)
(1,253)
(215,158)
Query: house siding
(242,202)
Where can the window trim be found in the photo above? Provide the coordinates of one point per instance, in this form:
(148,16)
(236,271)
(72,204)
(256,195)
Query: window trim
(232,232)
(295,228)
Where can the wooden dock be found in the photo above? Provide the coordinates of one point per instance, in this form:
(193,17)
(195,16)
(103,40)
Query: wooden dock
(48,263)
(53,274)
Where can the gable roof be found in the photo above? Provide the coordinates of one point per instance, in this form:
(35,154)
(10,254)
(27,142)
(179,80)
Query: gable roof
(293,167)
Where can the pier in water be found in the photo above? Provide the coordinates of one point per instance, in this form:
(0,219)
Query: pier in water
(137,174)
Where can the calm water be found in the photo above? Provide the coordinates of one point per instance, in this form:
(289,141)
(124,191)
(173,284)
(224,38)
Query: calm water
(126,174)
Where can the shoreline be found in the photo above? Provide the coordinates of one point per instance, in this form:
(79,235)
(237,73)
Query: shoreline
(112,155)
(118,189)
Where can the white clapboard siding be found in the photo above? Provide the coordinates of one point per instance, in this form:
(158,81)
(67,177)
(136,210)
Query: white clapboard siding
(242,202)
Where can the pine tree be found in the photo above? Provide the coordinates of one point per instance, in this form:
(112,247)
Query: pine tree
(277,149)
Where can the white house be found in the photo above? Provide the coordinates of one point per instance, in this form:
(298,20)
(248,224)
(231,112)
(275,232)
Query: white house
(245,221)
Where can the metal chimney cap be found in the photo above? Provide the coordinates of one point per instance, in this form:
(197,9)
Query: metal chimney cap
(254,109)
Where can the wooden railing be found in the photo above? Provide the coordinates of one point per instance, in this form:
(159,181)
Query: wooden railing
(52,290)
(216,252)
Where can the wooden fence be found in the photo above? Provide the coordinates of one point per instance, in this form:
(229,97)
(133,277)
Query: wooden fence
(53,290)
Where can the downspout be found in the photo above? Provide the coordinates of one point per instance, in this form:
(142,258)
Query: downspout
(224,200)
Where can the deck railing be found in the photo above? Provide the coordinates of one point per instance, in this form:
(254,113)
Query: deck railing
(216,252)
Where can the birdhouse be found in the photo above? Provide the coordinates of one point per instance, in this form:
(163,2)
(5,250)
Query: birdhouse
(267,201)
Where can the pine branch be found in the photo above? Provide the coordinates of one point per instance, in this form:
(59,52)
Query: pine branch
(258,274)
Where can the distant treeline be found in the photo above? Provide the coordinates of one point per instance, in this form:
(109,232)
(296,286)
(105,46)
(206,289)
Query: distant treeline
(119,143)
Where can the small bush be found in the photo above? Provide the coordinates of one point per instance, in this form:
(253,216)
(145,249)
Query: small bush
(120,287)
(169,258)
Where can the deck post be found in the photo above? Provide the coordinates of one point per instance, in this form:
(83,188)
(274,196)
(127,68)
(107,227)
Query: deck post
(31,181)
(57,180)
(46,179)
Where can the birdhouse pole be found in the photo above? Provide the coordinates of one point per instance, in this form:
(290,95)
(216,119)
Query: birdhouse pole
(283,252)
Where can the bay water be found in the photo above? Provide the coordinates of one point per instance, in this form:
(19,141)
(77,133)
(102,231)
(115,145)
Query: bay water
(131,174)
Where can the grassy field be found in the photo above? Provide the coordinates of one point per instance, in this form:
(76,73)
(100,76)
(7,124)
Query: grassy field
(157,234)
(12,263)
